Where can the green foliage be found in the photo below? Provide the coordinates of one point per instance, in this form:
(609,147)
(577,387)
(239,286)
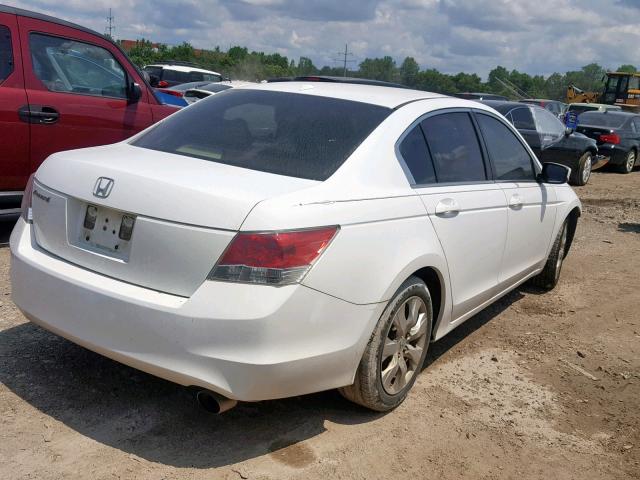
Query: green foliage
(239,63)
(626,68)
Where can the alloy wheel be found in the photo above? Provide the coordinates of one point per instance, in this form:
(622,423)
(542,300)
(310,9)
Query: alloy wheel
(586,170)
(404,345)
(631,160)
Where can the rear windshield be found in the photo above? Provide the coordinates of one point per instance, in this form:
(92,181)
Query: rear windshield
(297,135)
(598,119)
(581,108)
(215,87)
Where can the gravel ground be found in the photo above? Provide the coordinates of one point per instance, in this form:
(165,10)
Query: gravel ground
(536,386)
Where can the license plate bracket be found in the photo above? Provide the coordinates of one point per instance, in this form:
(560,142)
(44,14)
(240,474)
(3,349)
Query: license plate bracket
(106,231)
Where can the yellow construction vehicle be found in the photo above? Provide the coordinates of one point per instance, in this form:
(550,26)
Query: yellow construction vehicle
(577,95)
(622,89)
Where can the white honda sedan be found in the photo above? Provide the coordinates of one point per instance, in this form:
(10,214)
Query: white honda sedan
(291,237)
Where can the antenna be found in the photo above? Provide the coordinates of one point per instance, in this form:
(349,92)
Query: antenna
(111,27)
(345,58)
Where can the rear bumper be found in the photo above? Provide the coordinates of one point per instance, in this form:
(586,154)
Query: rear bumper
(246,342)
(616,154)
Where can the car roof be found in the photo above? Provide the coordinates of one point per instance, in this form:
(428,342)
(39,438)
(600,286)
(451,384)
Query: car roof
(390,97)
(606,105)
(614,113)
(502,106)
(181,68)
(47,18)
(538,100)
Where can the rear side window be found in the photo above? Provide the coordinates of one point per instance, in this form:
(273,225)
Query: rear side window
(522,118)
(65,65)
(511,160)
(6,53)
(416,157)
(454,148)
(297,135)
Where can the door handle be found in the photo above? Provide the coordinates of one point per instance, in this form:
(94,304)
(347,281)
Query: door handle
(447,207)
(39,114)
(515,202)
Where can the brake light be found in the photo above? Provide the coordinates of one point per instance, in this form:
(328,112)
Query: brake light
(272,258)
(163,84)
(610,138)
(25,207)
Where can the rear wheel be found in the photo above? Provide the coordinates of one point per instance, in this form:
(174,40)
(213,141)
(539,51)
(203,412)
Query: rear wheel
(396,350)
(629,162)
(583,172)
(548,278)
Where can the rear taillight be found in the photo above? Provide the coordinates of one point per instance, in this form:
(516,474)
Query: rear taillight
(26,201)
(163,84)
(175,93)
(272,258)
(610,138)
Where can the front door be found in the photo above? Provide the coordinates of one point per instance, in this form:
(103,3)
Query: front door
(14,133)
(467,209)
(531,205)
(76,85)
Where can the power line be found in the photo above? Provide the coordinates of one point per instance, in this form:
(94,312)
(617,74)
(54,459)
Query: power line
(111,26)
(345,58)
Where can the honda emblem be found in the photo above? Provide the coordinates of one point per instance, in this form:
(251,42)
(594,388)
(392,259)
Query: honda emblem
(103,187)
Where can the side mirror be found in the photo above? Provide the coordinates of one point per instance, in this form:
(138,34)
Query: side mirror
(135,93)
(568,131)
(554,173)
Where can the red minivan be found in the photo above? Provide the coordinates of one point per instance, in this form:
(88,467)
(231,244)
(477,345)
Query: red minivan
(62,86)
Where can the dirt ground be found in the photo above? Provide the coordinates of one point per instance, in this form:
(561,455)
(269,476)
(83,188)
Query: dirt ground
(538,386)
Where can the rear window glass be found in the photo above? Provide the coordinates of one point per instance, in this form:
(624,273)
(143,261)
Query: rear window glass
(296,135)
(581,108)
(215,87)
(176,76)
(598,119)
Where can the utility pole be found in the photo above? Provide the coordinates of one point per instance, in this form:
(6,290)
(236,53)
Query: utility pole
(111,27)
(345,58)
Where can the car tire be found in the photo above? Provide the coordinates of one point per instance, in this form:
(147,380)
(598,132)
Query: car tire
(629,162)
(380,383)
(548,278)
(582,174)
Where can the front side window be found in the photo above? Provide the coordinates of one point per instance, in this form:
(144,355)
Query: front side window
(65,65)
(454,148)
(210,77)
(510,159)
(417,158)
(6,53)
(296,135)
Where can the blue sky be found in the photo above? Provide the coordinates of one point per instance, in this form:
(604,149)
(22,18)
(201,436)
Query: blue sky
(535,36)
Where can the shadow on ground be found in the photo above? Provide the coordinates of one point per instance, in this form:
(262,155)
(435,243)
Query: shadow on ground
(629,227)
(159,421)
(6,225)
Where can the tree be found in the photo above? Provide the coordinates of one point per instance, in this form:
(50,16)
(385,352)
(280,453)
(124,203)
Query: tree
(378,68)
(306,67)
(626,68)
(409,71)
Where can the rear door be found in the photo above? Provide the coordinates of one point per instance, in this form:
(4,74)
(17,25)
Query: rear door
(467,209)
(76,85)
(14,133)
(531,205)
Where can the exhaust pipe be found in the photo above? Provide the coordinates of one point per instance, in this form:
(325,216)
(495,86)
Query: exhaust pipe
(213,402)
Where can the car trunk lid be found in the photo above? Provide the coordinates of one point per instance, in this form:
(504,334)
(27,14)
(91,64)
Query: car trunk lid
(182,212)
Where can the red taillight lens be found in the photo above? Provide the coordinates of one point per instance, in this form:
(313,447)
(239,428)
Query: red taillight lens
(274,258)
(163,84)
(26,201)
(610,138)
